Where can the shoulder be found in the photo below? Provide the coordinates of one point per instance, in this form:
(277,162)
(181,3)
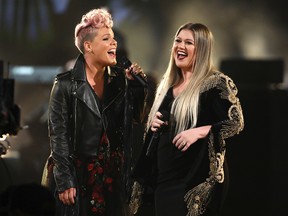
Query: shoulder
(62,82)
(219,80)
(63,78)
(64,75)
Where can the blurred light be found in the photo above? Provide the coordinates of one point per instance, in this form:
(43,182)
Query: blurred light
(44,74)
(22,70)
(254,45)
(120,11)
(60,6)
(3,138)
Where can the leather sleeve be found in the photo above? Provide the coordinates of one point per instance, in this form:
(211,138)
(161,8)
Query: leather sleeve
(58,124)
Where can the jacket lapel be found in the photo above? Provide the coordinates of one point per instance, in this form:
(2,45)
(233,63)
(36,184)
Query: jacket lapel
(113,87)
(85,94)
(83,91)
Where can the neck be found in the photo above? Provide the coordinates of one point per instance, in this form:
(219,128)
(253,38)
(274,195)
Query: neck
(186,75)
(95,72)
(95,77)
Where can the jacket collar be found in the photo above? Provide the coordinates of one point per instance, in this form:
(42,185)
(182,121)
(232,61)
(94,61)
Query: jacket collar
(79,72)
(84,92)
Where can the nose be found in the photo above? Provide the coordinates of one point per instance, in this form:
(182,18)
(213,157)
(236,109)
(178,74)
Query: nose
(114,42)
(181,44)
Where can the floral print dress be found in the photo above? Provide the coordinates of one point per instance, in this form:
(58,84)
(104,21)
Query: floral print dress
(99,180)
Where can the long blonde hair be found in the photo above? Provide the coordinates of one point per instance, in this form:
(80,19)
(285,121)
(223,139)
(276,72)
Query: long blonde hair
(185,106)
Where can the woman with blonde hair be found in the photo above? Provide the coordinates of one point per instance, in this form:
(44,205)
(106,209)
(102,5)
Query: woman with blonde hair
(195,110)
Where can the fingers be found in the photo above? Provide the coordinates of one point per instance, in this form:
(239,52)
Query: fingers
(181,143)
(185,147)
(135,69)
(68,196)
(157,122)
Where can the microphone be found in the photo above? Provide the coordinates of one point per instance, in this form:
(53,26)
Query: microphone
(126,63)
(156,135)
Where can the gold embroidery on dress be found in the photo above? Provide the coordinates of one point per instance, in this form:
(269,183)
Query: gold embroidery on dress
(136,197)
(235,124)
(211,82)
(198,198)
(229,91)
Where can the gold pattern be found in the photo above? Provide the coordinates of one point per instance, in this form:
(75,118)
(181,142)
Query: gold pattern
(136,197)
(197,199)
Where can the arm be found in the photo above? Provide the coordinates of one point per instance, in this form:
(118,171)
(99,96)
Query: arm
(138,91)
(59,142)
(186,138)
(228,114)
(226,118)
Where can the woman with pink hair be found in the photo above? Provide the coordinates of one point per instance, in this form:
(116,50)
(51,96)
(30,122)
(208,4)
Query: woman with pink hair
(91,109)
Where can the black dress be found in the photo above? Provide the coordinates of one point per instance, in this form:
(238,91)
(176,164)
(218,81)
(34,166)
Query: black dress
(193,182)
(174,167)
(178,171)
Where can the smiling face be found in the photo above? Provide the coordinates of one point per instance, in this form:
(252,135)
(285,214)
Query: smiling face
(102,48)
(184,49)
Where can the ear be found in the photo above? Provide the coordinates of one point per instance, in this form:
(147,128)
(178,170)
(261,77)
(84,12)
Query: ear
(87,46)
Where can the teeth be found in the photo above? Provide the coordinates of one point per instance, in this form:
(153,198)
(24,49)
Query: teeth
(112,51)
(181,53)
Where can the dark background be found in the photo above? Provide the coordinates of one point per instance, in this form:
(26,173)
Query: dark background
(250,46)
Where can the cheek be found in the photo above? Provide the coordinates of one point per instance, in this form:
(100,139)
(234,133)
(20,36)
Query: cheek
(174,51)
(192,50)
(192,53)
(100,50)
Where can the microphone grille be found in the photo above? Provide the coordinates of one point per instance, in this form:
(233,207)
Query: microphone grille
(125,62)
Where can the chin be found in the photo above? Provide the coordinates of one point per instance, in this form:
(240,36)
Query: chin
(112,62)
(182,64)
(179,65)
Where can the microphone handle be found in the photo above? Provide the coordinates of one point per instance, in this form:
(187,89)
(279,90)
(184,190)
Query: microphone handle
(152,145)
(126,63)
(155,137)
(140,79)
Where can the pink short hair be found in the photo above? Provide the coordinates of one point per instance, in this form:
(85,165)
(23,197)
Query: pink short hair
(90,22)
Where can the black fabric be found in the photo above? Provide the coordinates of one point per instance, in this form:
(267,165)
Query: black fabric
(180,171)
(176,173)
(77,121)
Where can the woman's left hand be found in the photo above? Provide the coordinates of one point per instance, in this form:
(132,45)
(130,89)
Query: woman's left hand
(135,69)
(186,138)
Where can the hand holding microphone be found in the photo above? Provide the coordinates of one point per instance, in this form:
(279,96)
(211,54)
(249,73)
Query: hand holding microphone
(161,122)
(133,71)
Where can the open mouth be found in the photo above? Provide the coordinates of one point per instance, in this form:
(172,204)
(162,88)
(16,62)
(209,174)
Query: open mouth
(181,55)
(112,52)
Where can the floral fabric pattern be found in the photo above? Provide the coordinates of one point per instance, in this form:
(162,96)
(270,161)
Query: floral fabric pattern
(100,171)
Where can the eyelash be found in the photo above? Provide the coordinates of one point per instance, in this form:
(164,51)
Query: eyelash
(106,39)
(187,42)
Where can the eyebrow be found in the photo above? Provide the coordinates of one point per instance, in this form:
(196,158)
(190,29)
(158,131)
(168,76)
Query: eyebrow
(107,34)
(188,39)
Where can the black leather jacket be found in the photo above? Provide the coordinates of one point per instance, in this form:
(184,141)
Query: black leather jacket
(76,122)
